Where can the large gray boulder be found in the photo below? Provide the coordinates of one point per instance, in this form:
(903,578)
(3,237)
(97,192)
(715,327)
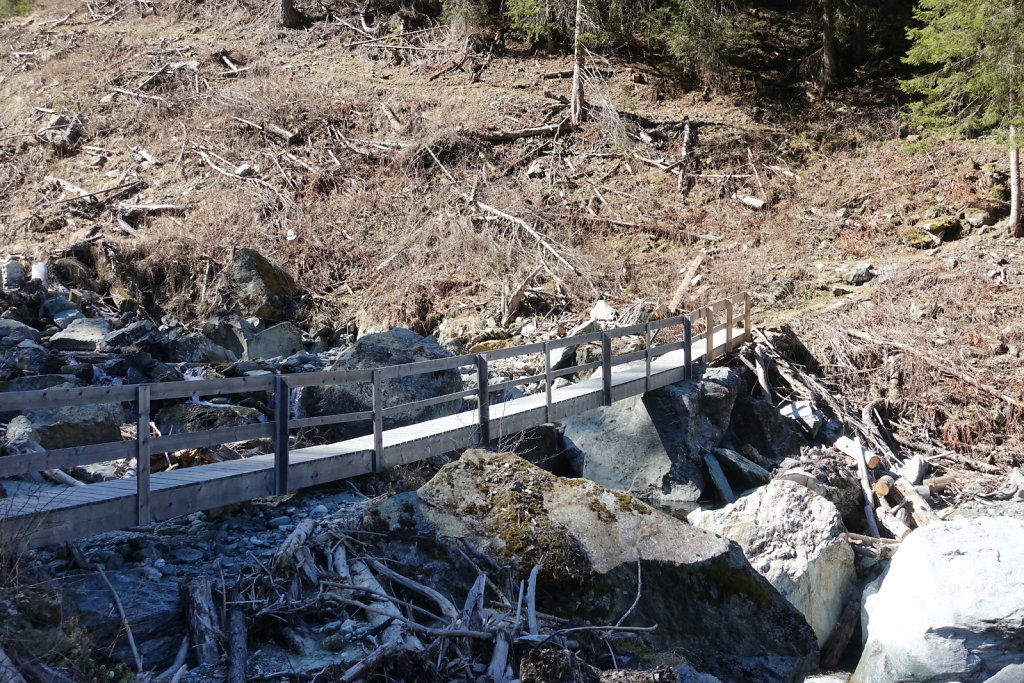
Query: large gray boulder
(139,336)
(793,537)
(83,334)
(66,427)
(152,608)
(758,423)
(652,446)
(382,349)
(260,288)
(250,340)
(198,417)
(708,602)
(13,332)
(196,347)
(950,607)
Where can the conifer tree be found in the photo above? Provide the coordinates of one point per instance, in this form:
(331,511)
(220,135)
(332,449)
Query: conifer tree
(976,51)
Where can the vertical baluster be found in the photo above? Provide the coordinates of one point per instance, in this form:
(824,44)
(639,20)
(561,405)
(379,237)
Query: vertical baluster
(606,367)
(483,400)
(378,423)
(728,325)
(282,415)
(142,457)
(709,340)
(687,347)
(748,331)
(547,381)
(647,357)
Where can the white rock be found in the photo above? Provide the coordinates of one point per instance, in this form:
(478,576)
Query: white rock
(602,311)
(804,414)
(950,607)
(792,536)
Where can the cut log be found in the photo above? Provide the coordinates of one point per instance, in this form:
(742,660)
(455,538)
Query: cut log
(201,614)
(938,484)
(675,304)
(893,524)
(919,507)
(854,449)
(883,486)
(718,477)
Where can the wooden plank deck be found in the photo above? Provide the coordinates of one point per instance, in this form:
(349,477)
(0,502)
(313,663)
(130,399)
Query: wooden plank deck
(54,516)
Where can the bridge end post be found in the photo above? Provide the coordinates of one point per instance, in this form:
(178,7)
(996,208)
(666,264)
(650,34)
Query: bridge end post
(728,326)
(282,414)
(143,512)
(483,401)
(647,357)
(606,367)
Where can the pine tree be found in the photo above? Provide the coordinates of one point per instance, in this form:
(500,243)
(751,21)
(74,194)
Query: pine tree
(976,51)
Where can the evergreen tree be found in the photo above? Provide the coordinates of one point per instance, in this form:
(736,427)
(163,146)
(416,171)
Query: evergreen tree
(976,51)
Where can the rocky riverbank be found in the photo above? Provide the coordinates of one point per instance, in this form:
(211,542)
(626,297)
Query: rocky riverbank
(699,533)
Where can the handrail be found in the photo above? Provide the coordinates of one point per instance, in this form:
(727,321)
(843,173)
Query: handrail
(281,386)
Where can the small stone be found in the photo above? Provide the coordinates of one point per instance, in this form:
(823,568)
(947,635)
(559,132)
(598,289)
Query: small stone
(152,573)
(839,290)
(318,511)
(536,170)
(187,555)
(602,311)
(278,522)
(860,275)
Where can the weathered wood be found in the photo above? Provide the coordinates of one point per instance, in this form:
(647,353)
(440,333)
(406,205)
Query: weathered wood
(883,485)
(383,610)
(856,451)
(361,669)
(201,614)
(8,672)
(238,646)
(446,606)
(919,508)
(833,649)
(719,479)
(285,554)
(860,457)
(892,523)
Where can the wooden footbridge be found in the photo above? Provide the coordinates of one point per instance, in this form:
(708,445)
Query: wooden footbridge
(56,515)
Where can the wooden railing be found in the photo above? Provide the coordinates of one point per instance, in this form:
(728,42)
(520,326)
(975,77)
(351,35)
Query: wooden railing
(713,319)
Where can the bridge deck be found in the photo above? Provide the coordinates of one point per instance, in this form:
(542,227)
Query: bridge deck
(55,516)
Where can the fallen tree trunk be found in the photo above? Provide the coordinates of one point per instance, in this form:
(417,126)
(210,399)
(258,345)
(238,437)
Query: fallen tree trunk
(201,614)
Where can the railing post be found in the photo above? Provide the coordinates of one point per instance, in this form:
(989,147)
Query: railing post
(142,458)
(709,332)
(647,357)
(747,330)
(378,423)
(606,367)
(282,414)
(483,400)
(687,348)
(547,381)
(728,326)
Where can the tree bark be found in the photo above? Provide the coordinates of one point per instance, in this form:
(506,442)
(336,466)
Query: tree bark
(829,52)
(1016,228)
(577,107)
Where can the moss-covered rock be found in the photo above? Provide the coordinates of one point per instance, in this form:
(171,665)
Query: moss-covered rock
(590,542)
(261,288)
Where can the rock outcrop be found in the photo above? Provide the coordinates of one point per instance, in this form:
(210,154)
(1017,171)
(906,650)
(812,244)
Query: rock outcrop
(590,542)
(65,427)
(793,537)
(259,287)
(379,350)
(950,607)
(652,446)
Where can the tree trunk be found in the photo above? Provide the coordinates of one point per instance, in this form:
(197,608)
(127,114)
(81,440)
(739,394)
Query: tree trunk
(577,108)
(1016,228)
(860,34)
(291,17)
(829,56)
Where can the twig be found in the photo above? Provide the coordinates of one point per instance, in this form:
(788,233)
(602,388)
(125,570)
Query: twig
(636,600)
(124,619)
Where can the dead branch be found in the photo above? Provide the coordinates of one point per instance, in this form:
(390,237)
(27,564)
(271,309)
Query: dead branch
(201,614)
(124,620)
(536,131)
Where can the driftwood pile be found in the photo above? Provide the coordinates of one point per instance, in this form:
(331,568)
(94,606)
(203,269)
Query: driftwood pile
(407,629)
